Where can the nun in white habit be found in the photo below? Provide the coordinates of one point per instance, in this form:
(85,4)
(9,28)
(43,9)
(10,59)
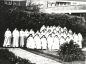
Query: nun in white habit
(7,40)
(43,32)
(32,32)
(42,28)
(26,34)
(70,32)
(58,28)
(56,43)
(37,41)
(40,34)
(68,39)
(80,39)
(50,41)
(30,42)
(43,42)
(61,30)
(47,28)
(62,40)
(22,34)
(75,38)
(55,31)
(64,35)
(15,38)
(65,29)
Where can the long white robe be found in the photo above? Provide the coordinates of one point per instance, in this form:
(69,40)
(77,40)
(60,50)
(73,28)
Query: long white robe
(70,35)
(50,42)
(15,38)
(22,38)
(56,43)
(67,39)
(80,39)
(26,34)
(44,43)
(75,38)
(62,40)
(7,40)
(30,43)
(37,42)
(46,35)
(64,35)
(59,35)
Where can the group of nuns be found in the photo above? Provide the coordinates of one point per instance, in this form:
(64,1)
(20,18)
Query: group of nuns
(48,37)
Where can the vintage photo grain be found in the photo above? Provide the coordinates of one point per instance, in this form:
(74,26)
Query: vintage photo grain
(42,31)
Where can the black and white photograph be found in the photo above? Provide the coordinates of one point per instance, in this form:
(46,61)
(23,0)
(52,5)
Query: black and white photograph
(42,31)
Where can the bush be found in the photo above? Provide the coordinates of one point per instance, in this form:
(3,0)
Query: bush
(84,42)
(71,52)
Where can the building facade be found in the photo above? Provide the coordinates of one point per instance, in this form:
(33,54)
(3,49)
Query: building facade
(52,6)
(15,2)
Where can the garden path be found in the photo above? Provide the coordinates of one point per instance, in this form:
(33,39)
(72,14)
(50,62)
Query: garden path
(34,58)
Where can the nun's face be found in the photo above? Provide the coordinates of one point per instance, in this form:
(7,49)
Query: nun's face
(15,28)
(7,29)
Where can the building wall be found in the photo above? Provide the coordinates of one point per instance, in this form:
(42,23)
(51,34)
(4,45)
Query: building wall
(15,2)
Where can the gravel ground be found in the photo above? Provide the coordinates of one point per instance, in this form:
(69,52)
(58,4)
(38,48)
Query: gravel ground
(34,58)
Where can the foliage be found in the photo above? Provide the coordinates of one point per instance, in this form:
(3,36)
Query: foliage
(15,17)
(71,52)
(84,42)
(9,56)
(32,8)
